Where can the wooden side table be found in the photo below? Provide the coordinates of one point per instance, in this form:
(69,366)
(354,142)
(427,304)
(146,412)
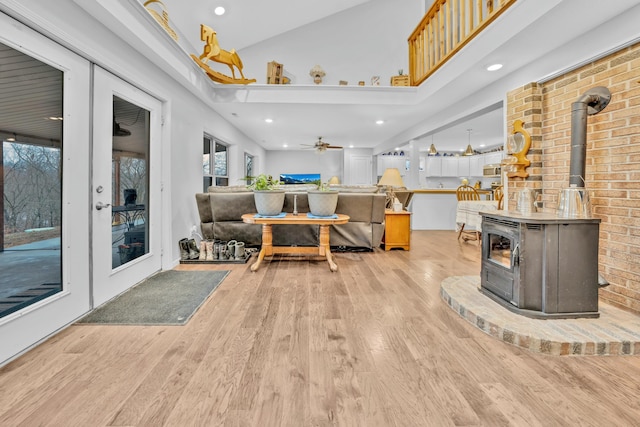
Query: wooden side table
(397,230)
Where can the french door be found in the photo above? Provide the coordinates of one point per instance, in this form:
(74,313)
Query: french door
(44,131)
(126,188)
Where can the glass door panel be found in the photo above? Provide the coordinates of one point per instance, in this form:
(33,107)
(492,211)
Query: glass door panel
(129,182)
(126,186)
(31,132)
(45,146)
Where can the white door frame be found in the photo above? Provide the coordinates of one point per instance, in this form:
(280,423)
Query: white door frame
(107,282)
(21,330)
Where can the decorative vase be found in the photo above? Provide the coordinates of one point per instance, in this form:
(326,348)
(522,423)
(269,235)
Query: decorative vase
(269,202)
(322,203)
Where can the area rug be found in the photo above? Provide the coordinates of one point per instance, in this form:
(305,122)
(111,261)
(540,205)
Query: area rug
(168,298)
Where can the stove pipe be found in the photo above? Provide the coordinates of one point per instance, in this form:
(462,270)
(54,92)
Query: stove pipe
(591,102)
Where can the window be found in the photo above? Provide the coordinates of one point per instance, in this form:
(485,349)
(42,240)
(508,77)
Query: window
(219,173)
(248,167)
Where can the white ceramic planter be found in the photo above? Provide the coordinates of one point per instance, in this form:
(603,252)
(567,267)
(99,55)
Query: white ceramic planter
(269,202)
(322,203)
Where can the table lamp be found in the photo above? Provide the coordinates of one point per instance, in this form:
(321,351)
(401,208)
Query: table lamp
(391,179)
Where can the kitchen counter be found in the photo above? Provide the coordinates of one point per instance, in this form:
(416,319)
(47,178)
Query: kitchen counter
(445,191)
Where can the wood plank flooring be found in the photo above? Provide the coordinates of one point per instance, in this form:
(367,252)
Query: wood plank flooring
(296,345)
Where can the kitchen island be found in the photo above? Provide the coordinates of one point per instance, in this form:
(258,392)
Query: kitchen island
(435,208)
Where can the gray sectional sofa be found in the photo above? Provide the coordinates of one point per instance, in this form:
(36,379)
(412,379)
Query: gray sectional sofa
(221,210)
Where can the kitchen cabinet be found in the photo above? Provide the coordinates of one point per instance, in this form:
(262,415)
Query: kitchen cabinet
(460,166)
(493,158)
(433,166)
(476,164)
(449,166)
(463,165)
(398,162)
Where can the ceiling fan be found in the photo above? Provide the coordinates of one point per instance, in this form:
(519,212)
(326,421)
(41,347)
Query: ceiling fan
(320,146)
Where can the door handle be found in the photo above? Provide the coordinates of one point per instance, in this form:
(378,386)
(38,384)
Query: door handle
(100,205)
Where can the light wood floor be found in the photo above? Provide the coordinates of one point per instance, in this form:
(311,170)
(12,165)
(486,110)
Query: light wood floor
(296,345)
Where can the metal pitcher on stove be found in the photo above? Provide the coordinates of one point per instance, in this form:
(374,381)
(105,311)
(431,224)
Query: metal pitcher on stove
(526,201)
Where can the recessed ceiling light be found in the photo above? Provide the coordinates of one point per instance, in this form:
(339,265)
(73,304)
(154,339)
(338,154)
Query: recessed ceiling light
(483,145)
(268,120)
(219,10)
(494,67)
(350,145)
(379,122)
(285,145)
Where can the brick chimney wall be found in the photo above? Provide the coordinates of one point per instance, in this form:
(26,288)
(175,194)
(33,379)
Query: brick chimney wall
(613,159)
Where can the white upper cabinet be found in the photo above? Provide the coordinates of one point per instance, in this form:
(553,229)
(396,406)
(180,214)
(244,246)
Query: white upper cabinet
(398,162)
(449,166)
(492,158)
(475,165)
(433,166)
(463,165)
(460,166)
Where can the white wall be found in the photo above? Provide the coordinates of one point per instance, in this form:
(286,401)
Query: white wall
(326,164)
(352,37)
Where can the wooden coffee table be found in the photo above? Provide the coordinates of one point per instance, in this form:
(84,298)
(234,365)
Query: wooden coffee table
(268,249)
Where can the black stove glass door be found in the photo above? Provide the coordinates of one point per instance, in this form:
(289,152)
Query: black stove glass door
(500,250)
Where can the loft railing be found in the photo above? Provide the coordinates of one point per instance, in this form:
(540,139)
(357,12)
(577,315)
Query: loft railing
(445,29)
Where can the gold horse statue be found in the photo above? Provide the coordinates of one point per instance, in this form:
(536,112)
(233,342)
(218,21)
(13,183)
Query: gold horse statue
(213,52)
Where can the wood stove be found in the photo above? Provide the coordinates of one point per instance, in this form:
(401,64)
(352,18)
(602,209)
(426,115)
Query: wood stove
(540,265)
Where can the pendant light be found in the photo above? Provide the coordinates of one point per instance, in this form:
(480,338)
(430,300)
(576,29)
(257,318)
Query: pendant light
(469,150)
(432,150)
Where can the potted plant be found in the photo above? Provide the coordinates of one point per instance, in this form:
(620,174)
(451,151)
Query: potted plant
(268,196)
(323,201)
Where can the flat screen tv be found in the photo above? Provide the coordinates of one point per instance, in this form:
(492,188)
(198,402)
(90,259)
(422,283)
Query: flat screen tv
(300,178)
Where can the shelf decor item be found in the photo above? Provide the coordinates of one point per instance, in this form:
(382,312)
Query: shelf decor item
(401,80)
(213,52)
(161,16)
(275,73)
(317,73)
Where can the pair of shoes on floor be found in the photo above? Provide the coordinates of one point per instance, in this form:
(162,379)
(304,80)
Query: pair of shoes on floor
(188,249)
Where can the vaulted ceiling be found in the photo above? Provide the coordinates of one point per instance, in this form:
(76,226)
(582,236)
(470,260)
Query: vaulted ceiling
(354,40)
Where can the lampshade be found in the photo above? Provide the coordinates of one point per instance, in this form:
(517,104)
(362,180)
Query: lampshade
(469,150)
(334,180)
(391,178)
(432,150)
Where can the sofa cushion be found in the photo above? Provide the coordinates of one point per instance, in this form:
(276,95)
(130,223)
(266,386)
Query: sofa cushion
(362,207)
(229,189)
(354,188)
(231,206)
(298,187)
